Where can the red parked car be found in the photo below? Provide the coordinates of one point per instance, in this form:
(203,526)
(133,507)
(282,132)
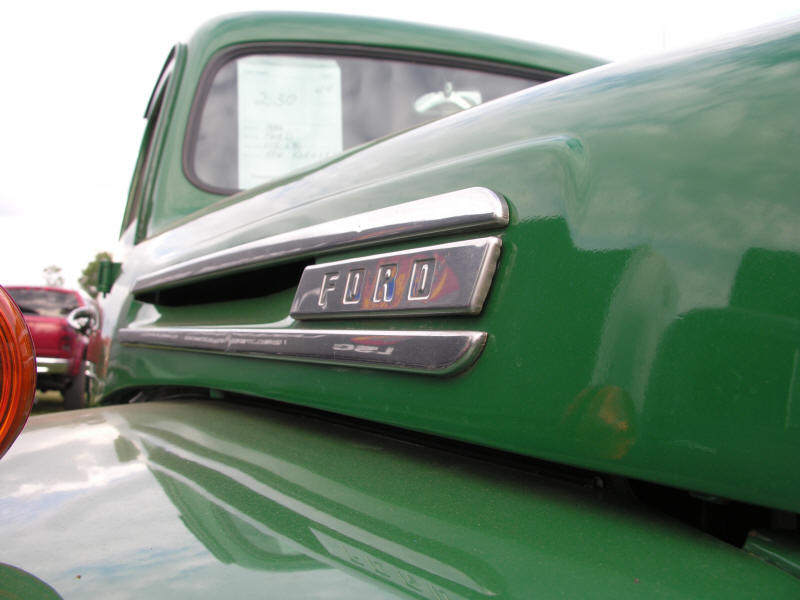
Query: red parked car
(64,326)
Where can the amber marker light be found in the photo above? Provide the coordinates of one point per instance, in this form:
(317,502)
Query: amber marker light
(18,375)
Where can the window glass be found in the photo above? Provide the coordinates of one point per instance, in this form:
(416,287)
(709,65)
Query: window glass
(151,113)
(266,115)
(45,303)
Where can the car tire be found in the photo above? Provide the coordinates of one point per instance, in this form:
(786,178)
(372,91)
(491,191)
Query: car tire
(74,394)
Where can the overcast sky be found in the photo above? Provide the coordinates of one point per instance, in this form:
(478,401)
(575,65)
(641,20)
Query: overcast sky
(77,76)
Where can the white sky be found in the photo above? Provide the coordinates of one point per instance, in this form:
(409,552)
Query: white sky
(77,76)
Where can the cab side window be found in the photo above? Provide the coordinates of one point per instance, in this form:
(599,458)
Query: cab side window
(264,115)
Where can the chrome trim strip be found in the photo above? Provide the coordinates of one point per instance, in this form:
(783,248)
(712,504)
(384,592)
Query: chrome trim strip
(461,210)
(52,366)
(443,279)
(429,352)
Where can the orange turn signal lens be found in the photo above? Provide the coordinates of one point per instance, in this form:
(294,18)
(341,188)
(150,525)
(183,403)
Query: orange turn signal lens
(18,375)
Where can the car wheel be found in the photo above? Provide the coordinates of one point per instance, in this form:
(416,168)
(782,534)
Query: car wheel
(74,394)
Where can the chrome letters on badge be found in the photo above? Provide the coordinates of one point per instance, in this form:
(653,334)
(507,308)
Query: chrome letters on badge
(449,278)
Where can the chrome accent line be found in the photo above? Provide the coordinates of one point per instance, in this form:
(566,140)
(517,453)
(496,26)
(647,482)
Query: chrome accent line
(461,210)
(429,352)
(52,366)
(443,279)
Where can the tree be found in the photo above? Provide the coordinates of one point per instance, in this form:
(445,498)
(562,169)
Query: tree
(88,278)
(52,276)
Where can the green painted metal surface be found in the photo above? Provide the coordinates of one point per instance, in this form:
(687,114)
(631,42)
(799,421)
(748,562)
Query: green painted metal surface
(644,319)
(189,498)
(779,548)
(18,584)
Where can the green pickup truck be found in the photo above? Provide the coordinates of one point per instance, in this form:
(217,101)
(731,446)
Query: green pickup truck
(406,312)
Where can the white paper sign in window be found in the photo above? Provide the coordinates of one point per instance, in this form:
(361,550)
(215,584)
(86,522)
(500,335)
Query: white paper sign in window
(290,114)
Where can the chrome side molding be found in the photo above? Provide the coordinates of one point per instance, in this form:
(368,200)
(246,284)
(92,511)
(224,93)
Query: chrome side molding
(461,210)
(427,352)
(444,279)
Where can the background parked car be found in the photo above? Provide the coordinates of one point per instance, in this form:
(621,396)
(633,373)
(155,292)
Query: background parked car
(63,324)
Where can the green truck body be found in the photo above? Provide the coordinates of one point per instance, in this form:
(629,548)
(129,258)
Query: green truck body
(546,346)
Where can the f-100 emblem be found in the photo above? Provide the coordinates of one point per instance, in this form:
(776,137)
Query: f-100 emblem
(449,278)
